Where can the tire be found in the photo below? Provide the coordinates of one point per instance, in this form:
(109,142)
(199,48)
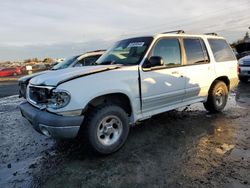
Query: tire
(217,97)
(244,79)
(107,128)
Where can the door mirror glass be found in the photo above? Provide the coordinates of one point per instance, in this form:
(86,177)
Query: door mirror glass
(155,61)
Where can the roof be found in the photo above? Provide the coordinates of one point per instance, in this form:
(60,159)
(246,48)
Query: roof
(180,33)
(208,35)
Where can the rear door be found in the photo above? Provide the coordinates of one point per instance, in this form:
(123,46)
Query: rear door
(198,69)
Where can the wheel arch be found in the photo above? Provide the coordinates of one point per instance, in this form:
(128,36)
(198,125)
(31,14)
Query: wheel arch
(117,98)
(224,79)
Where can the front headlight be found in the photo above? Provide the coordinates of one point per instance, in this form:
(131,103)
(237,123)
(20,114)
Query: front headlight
(59,99)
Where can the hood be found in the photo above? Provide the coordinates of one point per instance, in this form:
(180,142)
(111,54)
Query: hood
(54,78)
(28,77)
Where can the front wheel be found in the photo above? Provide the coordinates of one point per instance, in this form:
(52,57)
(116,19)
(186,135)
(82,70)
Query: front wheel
(107,128)
(217,97)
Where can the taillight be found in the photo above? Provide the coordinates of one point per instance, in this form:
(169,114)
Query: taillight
(238,69)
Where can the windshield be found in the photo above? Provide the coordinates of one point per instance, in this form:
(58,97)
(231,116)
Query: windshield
(126,52)
(65,64)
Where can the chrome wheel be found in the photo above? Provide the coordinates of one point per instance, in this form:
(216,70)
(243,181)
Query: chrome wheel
(219,96)
(109,130)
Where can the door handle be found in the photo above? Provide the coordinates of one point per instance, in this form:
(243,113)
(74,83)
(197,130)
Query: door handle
(175,72)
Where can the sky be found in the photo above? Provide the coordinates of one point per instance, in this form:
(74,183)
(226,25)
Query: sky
(61,28)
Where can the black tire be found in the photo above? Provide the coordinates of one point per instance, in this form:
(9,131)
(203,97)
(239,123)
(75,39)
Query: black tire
(94,124)
(217,97)
(244,79)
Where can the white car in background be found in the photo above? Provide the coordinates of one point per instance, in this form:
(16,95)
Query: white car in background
(244,69)
(86,59)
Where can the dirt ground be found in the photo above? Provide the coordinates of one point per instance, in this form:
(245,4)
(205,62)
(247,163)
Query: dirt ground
(183,148)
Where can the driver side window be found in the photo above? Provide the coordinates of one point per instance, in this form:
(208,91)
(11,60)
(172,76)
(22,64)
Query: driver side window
(169,50)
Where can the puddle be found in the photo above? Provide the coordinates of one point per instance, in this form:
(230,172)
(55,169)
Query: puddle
(242,95)
(234,100)
(236,184)
(240,153)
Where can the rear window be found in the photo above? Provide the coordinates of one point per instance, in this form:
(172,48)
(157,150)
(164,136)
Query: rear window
(195,51)
(221,50)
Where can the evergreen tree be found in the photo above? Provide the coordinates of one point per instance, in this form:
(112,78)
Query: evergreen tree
(246,37)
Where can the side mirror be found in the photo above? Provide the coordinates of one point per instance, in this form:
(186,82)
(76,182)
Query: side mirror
(154,61)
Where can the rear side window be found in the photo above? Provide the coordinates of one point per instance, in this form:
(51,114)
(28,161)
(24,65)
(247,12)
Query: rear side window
(195,51)
(221,50)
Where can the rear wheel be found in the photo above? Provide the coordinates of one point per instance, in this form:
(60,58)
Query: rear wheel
(107,128)
(217,97)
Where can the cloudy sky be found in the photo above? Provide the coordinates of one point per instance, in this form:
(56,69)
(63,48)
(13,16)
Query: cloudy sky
(60,28)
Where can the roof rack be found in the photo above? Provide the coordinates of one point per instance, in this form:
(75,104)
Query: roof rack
(214,34)
(177,32)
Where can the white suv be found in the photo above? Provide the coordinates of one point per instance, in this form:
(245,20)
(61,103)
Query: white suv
(134,80)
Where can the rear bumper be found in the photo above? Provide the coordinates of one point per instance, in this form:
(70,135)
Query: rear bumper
(49,124)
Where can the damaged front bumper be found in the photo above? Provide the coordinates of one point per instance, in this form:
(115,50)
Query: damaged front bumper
(49,124)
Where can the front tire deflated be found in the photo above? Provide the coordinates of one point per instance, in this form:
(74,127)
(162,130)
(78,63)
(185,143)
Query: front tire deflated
(107,128)
(217,97)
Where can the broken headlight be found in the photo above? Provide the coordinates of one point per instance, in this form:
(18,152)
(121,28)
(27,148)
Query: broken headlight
(58,99)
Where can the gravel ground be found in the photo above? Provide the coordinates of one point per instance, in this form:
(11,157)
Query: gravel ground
(183,148)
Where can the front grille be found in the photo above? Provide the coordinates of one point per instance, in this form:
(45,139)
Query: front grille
(39,94)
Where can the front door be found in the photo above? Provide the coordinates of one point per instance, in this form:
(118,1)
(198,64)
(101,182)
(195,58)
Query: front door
(163,86)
